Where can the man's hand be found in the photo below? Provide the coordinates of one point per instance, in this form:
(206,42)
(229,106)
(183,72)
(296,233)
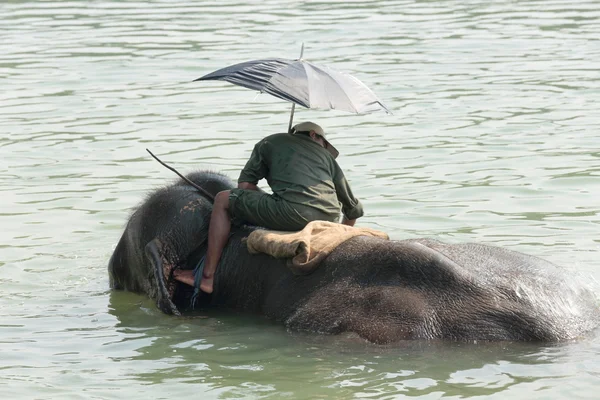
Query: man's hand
(349,222)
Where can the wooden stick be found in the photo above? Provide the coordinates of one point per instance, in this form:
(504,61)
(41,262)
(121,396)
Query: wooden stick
(201,190)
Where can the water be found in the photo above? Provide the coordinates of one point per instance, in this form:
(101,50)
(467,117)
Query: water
(493,139)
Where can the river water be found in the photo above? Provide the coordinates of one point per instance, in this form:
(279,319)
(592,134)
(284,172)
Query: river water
(493,139)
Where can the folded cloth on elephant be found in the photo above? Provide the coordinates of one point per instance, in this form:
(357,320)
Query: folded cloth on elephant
(308,247)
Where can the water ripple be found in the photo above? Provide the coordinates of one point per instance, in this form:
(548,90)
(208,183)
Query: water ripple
(493,139)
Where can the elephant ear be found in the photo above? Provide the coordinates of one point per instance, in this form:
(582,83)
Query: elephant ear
(162,268)
(446,269)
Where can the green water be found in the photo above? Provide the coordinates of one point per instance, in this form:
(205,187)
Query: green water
(494,139)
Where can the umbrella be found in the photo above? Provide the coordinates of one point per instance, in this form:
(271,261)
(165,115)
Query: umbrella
(303,83)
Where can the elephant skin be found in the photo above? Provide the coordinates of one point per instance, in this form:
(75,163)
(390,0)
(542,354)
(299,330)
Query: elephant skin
(383,291)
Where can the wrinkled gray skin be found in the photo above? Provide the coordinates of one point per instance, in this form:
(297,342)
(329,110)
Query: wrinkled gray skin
(384,291)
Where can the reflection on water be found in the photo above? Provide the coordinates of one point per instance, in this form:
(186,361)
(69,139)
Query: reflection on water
(230,356)
(493,139)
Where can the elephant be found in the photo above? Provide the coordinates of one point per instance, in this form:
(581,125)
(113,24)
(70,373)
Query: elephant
(384,291)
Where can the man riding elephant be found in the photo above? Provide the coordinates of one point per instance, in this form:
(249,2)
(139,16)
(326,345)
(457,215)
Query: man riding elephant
(307,184)
(381,290)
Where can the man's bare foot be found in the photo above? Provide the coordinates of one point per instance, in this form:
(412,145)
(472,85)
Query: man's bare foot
(187,276)
(184,275)
(207,283)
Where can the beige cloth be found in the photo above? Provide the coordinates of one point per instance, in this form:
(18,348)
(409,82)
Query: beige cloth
(308,247)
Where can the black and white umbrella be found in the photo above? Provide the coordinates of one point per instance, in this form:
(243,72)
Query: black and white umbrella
(303,83)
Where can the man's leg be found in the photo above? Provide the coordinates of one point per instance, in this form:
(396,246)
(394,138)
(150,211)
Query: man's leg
(218,234)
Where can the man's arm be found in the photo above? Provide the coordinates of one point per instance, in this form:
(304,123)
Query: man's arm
(247,186)
(254,170)
(351,207)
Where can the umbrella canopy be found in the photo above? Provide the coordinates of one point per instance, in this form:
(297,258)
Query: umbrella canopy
(302,83)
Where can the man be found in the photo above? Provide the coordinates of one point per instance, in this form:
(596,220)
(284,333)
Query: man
(307,185)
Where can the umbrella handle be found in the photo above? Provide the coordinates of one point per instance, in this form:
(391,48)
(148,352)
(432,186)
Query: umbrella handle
(291,118)
(294,104)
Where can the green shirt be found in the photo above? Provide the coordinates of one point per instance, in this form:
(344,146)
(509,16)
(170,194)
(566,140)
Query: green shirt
(303,173)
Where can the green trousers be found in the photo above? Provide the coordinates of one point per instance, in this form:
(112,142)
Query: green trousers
(270,211)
